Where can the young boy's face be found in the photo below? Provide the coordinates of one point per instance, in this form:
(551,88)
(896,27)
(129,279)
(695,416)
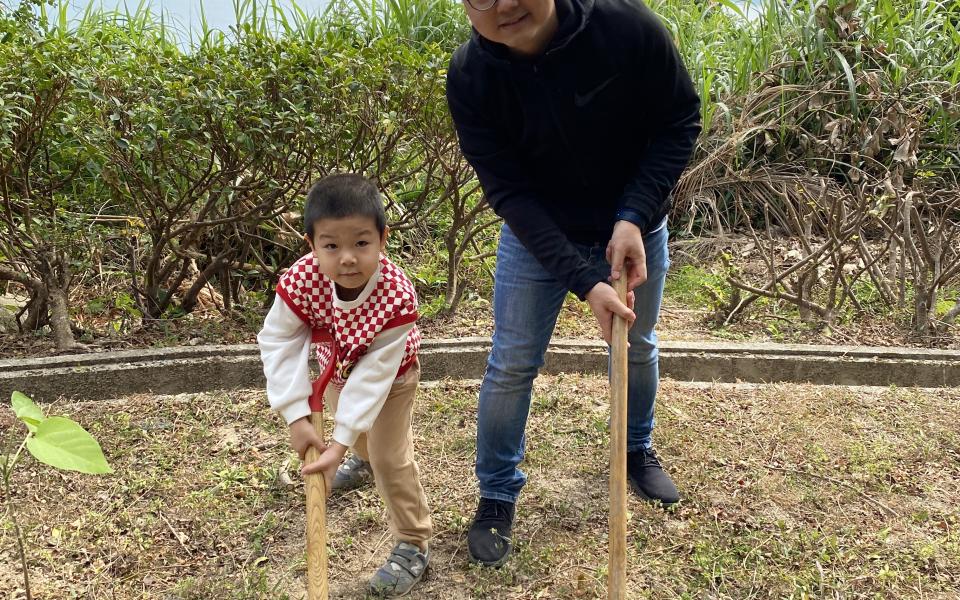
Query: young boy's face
(348,251)
(524,26)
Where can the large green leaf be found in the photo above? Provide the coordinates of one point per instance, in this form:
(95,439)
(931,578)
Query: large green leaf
(26,410)
(64,444)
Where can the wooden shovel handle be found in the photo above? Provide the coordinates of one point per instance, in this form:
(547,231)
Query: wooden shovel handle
(617,568)
(317,587)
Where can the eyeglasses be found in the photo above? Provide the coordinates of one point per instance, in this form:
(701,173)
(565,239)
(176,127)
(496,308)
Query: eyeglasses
(481,5)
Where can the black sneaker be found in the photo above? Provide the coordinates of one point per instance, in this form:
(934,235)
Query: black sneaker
(489,537)
(648,479)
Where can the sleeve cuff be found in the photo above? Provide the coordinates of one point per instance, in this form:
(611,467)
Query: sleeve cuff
(627,214)
(295,411)
(581,288)
(345,435)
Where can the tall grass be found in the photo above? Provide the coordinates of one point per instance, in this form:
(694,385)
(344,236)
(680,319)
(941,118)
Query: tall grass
(731,47)
(723,42)
(439,22)
(431,21)
(137,23)
(725,46)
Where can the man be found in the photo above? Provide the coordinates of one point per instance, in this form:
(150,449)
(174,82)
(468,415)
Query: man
(578,118)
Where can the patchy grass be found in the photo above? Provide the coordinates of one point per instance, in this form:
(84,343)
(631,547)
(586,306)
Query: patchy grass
(697,287)
(790,491)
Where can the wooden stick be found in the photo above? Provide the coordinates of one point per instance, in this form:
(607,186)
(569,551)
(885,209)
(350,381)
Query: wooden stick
(617,568)
(317,588)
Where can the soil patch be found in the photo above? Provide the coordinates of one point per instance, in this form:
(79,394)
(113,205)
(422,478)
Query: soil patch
(810,490)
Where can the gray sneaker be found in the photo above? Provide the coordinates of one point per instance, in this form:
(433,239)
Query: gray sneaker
(353,473)
(404,568)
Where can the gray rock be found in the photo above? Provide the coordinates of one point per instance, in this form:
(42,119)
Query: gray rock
(8,320)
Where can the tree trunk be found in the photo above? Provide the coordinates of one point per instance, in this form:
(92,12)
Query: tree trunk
(924,310)
(219,263)
(36,309)
(451,295)
(226,290)
(60,317)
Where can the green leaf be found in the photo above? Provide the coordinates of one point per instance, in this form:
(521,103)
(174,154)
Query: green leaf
(851,82)
(27,411)
(62,443)
(733,6)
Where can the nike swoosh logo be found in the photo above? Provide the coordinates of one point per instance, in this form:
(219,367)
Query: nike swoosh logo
(581,100)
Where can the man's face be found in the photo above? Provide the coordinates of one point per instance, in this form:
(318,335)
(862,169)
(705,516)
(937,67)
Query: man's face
(524,26)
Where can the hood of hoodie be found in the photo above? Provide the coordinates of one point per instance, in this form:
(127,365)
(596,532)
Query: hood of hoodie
(572,18)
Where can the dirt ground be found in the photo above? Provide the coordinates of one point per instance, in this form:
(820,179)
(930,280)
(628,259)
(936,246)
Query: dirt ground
(789,491)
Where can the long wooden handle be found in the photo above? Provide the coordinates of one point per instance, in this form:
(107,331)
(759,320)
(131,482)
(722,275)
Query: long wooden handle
(617,569)
(317,588)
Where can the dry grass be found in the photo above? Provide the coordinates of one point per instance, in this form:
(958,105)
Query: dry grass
(679,320)
(791,491)
(695,305)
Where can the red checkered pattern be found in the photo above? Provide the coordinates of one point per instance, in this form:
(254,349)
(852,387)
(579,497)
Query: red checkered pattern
(343,336)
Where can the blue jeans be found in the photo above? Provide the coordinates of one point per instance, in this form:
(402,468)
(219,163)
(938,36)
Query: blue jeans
(526,302)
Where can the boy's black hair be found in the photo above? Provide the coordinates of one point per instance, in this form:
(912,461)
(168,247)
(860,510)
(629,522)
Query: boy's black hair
(340,196)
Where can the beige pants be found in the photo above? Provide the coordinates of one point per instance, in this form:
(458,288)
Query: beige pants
(389,448)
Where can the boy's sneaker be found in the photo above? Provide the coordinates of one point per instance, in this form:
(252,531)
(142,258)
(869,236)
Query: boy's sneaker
(489,537)
(353,473)
(404,568)
(648,479)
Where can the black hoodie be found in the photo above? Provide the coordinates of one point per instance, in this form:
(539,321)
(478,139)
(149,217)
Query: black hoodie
(597,128)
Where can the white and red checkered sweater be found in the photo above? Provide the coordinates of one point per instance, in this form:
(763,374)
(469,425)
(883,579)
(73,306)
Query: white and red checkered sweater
(362,345)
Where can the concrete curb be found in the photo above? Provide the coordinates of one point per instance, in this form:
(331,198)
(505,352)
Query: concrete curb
(204,368)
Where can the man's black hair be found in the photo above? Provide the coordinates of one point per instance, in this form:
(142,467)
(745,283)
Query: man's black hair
(340,196)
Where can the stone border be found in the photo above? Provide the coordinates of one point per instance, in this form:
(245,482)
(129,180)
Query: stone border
(204,368)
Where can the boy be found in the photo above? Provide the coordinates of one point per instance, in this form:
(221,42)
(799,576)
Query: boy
(360,310)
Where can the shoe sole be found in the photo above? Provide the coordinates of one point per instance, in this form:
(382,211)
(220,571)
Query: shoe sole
(350,487)
(423,576)
(352,484)
(495,564)
(636,490)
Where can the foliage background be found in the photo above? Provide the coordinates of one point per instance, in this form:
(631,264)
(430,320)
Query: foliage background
(145,177)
